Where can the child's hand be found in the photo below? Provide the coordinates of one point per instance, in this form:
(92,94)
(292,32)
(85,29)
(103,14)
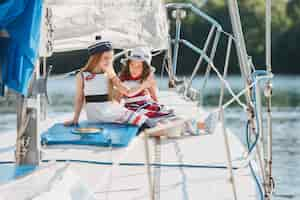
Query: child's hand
(110,72)
(71,122)
(149,82)
(151,75)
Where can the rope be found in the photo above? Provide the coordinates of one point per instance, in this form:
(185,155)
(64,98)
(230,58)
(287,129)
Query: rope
(208,68)
(157,169)
(109,183)
(258,184)
(115,164)
(250,153)
(250,148)
(182,172)
(198,64)
(227,85)
(133,164)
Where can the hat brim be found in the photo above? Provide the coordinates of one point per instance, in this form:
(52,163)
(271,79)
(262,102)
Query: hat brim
(125,60)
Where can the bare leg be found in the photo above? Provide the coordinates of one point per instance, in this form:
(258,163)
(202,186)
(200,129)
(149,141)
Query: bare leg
(207,126)
(162,129)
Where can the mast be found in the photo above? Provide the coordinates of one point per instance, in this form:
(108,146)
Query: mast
(28,115)
(240,41)
(268,94)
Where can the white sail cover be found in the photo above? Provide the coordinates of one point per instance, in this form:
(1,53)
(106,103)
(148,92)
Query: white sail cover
(127,23)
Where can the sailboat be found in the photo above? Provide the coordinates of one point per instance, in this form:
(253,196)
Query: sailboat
(51,162)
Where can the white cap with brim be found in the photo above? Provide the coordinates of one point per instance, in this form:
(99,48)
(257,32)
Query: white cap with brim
(139,54)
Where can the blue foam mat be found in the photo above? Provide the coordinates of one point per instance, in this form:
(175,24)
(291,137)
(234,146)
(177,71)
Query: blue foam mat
(9,172)
(116,135)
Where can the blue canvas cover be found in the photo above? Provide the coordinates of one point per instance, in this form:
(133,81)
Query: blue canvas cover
(21,19)
(9,172)
(116,135)
(4,42)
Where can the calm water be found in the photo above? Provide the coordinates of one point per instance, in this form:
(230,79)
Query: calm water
(286,122)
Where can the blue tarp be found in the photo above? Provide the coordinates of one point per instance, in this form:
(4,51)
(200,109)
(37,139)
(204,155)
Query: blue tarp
(3,42)
(9,172)
(116,135)
(21,19)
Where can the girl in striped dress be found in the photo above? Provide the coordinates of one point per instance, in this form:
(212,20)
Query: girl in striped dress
(136,70)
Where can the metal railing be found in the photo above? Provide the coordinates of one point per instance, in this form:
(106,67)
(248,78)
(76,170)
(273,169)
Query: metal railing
(251,90)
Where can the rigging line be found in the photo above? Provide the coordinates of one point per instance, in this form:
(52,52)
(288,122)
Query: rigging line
(157,169)
(148,167)
(208,68)
(254,100)
(228,155)
(115,164)
(229,35)
(226,64)
(250,164)
(208,60)
(157,53)
(110,179)
(251,153)
(182,172)
(258,116)
(235,97)
(258,184)
(58,174)
(198,64)
(133,164)
(163,68)
(253,147)
(168,66)
(245,90)
(257,132)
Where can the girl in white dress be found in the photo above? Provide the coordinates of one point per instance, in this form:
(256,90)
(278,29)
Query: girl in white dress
(94,85)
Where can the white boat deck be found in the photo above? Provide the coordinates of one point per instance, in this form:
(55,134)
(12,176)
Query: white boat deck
(203,174)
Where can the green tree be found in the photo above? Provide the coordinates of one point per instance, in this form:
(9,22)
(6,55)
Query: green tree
(293,10)
(253,22)
(287,45)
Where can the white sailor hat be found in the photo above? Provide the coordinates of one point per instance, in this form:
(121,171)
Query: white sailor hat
(140,54)
(99,46)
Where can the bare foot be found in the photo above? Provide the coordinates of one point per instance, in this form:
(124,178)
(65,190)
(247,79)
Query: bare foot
(163,129)
(201,125)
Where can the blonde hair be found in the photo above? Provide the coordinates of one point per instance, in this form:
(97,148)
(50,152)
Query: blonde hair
(92,63)
(89,67)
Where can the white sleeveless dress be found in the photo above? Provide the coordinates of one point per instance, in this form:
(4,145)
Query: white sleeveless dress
(100,109)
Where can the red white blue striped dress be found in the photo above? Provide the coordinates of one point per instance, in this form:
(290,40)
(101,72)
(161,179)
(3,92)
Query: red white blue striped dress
(142,103)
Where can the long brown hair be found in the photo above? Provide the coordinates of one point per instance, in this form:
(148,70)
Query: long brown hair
(92,63)
(125,72)
(89,67)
